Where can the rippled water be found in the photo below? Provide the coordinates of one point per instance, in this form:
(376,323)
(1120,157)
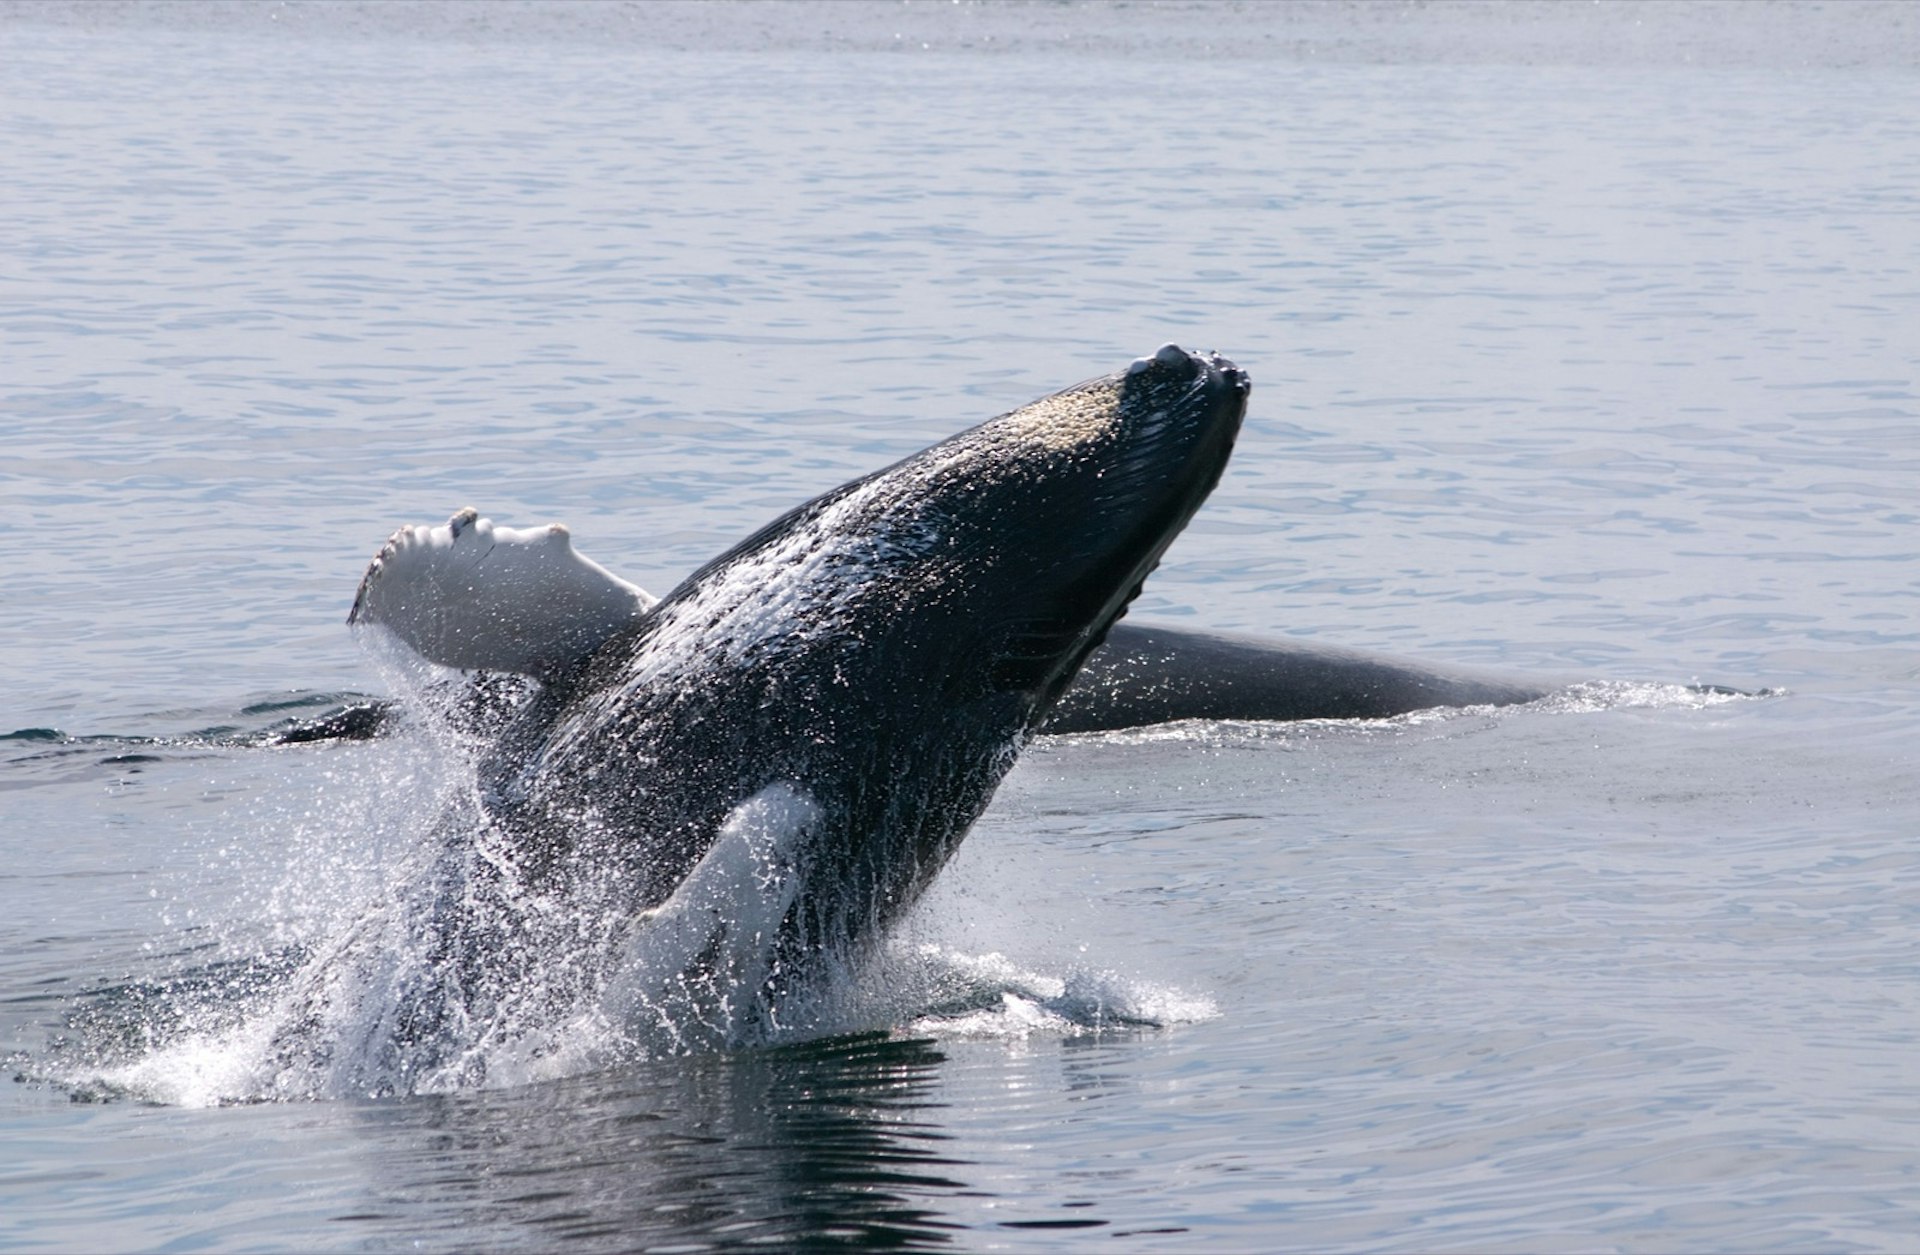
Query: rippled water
(1605,376)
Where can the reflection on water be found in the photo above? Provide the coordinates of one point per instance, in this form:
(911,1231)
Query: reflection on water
(828,1143)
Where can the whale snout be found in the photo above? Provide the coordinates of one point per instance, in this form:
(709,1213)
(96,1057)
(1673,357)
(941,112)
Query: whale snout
(1184,409)
(1177,393)
(1229,375)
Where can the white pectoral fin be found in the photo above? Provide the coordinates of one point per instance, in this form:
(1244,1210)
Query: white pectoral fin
(750,874)
(472,595)
(718,931)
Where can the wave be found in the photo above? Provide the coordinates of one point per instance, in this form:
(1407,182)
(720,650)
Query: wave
(1584,698)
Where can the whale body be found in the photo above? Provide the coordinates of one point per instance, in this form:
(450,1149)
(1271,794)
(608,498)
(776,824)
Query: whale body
(767,766)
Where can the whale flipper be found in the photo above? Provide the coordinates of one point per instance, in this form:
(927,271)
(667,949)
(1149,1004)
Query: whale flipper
(472,595)
(702,957)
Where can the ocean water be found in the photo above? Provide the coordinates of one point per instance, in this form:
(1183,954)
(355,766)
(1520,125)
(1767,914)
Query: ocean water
(1604,376)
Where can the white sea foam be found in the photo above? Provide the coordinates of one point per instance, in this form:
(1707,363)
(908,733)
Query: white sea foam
(990,996)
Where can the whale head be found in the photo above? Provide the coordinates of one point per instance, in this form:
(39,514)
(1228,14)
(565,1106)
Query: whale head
(999,558)
(878,655)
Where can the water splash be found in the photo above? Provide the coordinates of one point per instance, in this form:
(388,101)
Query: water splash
(990,996)
(403,949)
(1599,695)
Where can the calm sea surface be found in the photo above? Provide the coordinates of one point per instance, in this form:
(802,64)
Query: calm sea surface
(1603,376)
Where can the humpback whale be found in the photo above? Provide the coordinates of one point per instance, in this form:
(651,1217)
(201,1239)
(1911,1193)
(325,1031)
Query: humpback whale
(766,767)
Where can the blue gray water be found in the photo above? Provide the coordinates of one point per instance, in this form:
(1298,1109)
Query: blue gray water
(1605,376)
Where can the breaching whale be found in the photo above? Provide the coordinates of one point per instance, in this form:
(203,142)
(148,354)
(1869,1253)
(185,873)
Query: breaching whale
(793,741)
